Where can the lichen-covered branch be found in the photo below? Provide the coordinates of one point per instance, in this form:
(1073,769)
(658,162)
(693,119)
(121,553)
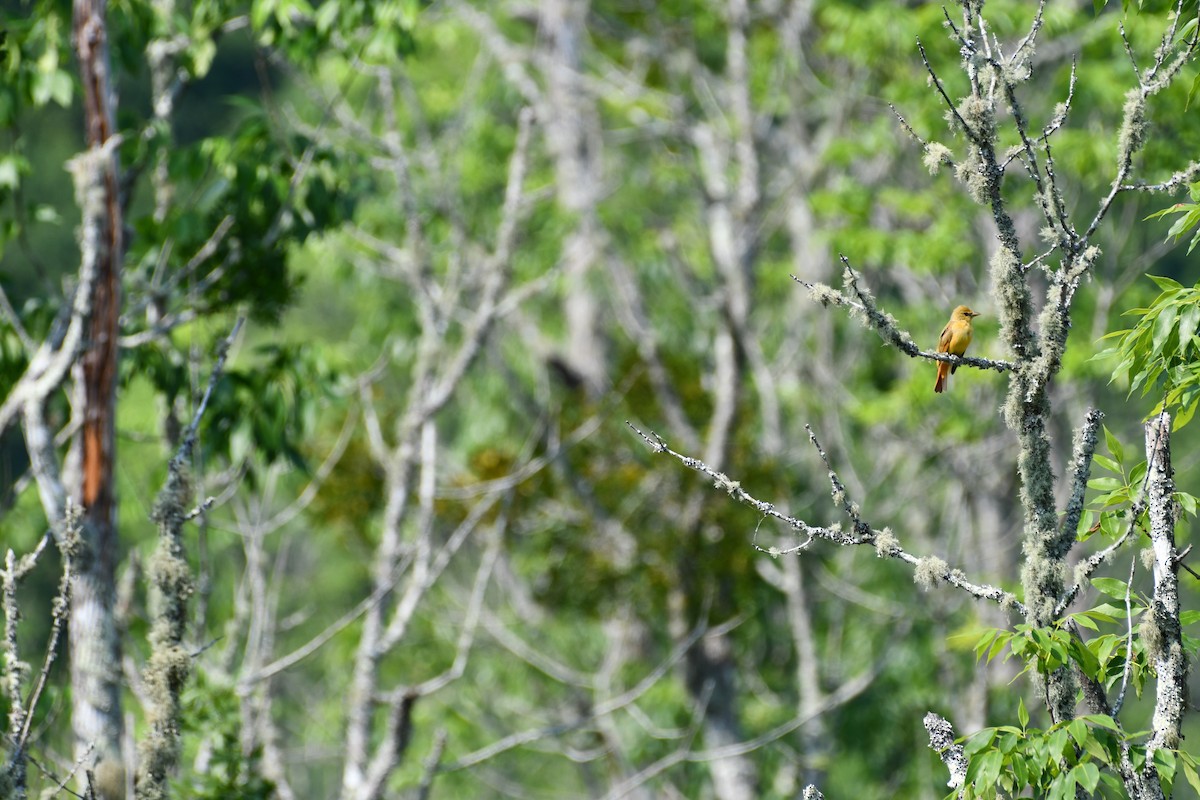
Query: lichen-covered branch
(13,670)
(862,307)
(928,570)
(1081,463)
(1161,631)
(169,664)
(941,741)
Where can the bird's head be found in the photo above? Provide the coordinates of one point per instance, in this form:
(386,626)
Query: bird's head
(964,313)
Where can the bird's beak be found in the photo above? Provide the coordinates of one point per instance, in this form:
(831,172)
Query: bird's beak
(976,314)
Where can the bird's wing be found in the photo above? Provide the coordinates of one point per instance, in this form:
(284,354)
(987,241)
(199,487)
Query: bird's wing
(944,341)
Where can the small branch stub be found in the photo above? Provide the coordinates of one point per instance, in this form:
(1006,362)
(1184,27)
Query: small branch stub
(941,740)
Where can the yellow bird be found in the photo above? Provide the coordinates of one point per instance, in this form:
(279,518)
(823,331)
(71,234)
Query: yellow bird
(955,338)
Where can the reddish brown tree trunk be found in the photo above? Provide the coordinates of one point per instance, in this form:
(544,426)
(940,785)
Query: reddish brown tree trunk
(95,650)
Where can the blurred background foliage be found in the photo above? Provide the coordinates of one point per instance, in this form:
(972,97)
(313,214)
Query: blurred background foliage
(596,568)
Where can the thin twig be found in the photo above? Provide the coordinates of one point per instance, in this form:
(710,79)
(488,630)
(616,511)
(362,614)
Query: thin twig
(1116,711)
(886,546)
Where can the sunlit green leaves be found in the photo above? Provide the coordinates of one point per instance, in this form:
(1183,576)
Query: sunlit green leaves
(1108,511)
(1162,348)
(210,714)
(261,412)
(379,33)
(1009,762)
(1190,215)
(1050,763)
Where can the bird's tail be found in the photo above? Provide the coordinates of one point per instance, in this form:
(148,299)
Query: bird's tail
(943,377)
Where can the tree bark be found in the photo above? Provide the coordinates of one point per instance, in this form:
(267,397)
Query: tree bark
(95,649)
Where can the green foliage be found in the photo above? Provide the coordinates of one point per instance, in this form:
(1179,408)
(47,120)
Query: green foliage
(1084,752)
(35,60)
(212,721)
(286,197)
(1108,512)
(381,33)
(35,74)
(260,412)
(1189,221)
(1162,345)
(1052,763)
(249,182)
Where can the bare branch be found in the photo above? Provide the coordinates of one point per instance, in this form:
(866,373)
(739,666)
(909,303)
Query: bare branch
(929,570)
(885,325)
(1120,702)
(1189,174)
(1085,448)
(966,129)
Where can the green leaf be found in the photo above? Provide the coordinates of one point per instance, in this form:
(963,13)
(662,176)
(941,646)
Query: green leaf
(1186,33)
(1083,621)
(1018,645)
(979,741)
(1095,748)
(1082,655)
(1107,463)
(1164,760)
(997,646)
(1104,647)
(1085,524)
(1185,416)
(1063,787)
(989,769)
(1009,741)
(1111,524)
(981,643)
(1078,730)
(1113,587)
(1164,325)
(1058,742)
(1162,213)
(1087,775)
(1114,783)
(1022,713)
(1188,322)
(1103,721)
(1114,445)
(1166,284)
(1184,223)
(1189,773)
(1107,612)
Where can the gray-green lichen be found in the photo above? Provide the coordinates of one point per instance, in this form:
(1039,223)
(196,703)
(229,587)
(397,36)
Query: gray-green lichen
(1150,635)
(980,116)
(825,295)
(886,543)
(930,570)
(971,172)
(1019,70)
(1148,559)
(936,154)
(1133,125)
